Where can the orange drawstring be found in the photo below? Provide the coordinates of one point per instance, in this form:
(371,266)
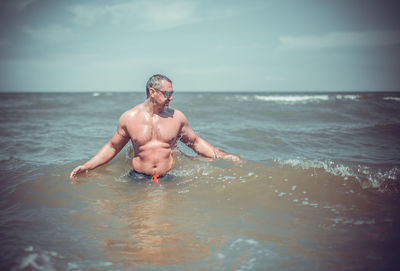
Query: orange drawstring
(155,178)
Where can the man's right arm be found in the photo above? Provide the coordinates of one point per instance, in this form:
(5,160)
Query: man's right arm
(106,153)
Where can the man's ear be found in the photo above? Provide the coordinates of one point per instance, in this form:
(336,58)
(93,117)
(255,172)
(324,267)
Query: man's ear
(151,92)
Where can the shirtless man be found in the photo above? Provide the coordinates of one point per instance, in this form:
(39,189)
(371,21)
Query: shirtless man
(154,129)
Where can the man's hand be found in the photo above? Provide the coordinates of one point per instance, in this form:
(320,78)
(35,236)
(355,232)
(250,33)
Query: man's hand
(232,157)
(78,170)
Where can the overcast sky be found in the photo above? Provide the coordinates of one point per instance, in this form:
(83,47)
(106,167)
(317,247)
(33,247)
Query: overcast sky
(211,45)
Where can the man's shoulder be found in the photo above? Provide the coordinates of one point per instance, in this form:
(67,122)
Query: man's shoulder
(131,113)
(178,114)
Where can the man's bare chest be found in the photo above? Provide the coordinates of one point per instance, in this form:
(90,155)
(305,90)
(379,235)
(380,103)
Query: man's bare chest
(157,128)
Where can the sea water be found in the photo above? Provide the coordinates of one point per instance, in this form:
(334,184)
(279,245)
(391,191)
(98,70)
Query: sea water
(318,188)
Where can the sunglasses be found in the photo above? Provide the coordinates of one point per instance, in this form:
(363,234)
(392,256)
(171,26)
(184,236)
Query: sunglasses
(166,94)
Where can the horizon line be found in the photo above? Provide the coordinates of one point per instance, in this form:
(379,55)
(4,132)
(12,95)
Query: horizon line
(200,91)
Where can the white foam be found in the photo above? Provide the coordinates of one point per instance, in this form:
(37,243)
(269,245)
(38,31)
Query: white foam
(246,241)
(367,176)
(242,98)
(328,166)
(249,265)
(39,261)
(397,99)
(30,248)
(238,98)
(347,97)
(341,220)
(251,242)
(292,98)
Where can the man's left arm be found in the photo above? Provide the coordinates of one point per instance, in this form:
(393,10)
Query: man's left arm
(202,147)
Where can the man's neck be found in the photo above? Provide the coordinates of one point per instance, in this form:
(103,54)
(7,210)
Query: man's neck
(152,108)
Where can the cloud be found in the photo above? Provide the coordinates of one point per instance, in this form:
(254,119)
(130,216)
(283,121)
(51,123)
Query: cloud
(142,15)
(342,39)
(50,33)
(171,15)
(23,3)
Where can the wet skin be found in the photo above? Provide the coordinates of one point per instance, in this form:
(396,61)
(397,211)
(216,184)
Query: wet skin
(153,128)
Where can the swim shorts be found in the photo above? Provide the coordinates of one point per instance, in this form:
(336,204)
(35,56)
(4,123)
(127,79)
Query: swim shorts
(144,177)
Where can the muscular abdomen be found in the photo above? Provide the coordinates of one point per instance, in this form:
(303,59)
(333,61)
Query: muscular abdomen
(155,157)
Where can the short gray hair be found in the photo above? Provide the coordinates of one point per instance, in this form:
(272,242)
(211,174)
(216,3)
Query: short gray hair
(155,81)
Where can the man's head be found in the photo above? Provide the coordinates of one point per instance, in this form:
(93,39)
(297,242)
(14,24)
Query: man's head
(156,82)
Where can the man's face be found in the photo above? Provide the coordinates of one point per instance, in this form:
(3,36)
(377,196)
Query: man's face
(163,94)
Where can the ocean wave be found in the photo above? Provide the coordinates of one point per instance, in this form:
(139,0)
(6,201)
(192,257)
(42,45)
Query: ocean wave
(397,99)
(283,98)
(292,98)
(39,260)
(239,98)
(347,97)
(385,178)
